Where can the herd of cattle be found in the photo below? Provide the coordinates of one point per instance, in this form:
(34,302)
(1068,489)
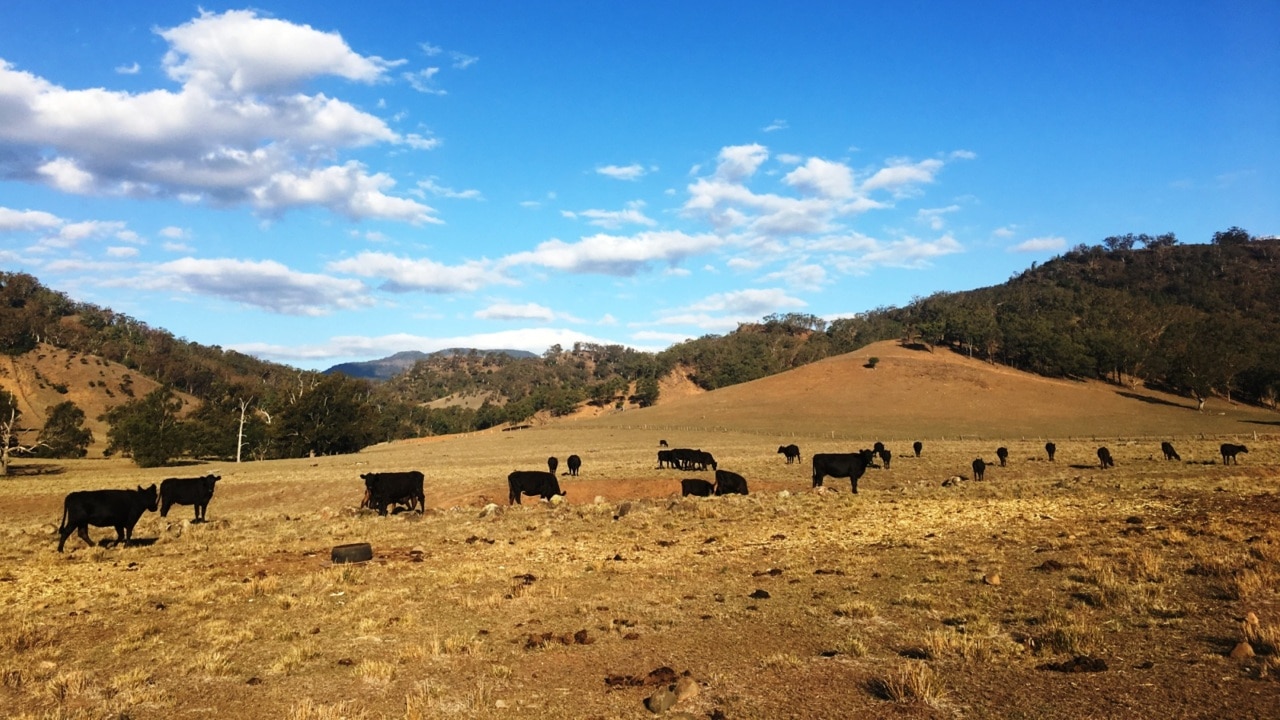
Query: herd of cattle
(121,509)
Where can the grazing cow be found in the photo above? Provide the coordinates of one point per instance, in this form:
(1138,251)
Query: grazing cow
(574,462)
(394,488)
(687,459)
(1002,453)
(119,509)
(1169,453)
(979,468)
(663,443)
(552,464)
(850,465)
(666,458)
(885,457)
(187,491)
(792,453)
(1050,448)
(730,483)
(1104,458)
(1229,452)
(531,482)
(694,486)
(917,446)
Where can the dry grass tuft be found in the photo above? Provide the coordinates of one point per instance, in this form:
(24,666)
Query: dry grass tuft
(26,636)
(308,709)
(1067,632)
(910,684)
(1265,638)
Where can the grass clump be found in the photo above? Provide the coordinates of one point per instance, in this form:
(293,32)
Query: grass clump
(910,684)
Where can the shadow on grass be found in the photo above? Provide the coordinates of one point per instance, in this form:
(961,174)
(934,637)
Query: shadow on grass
(1152,400)
(32,470)
(1263,422)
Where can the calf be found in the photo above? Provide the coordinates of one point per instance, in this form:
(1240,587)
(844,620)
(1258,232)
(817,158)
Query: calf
(696,487)
(1104,458)
(394,488)
(885,457)
(662,443)
(917,446)
(1002,454)
(979,468)
(1169,453)
(119,509)
(730,483)
(531,482)
(574,462)
(1050,448)
(791,452)
(850,465)
(1229,452)
(552,464)
(188,491)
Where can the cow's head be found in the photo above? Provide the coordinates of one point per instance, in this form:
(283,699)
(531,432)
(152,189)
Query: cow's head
(150,497)
(213,478)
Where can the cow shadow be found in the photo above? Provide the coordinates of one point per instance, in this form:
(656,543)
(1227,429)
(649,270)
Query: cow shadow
(1081,466)
(1263,422)
(34,470)
(1152,400)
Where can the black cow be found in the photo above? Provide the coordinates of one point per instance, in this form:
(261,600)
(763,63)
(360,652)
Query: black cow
(188,491)
(1104,458)
(694,486)
(885,457)
(119,509)
(917,446)
(1050,448)
(1229,452)
(730,483)
(662,443)
(791,452)
(979,468)
(574,462)
(687,459)
(1002,453)
(552,464)
(1169,453)
(666,458)
(532,482)
(394,488)
(850,465)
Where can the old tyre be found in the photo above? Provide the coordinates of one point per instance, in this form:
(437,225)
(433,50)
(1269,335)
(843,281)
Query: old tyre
(352,553)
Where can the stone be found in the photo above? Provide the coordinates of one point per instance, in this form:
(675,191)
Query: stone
(686,688)
(661,701)
(1241,651)
(991,578)
(557,500)
(490,509)
(623,509)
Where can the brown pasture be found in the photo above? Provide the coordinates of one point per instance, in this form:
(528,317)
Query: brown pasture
(1054,590)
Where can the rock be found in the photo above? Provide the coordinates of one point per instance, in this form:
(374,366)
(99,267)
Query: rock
(784,493)
(1250,618)
(1241,651)
(623,509)
(661,701)
(991,578)
(759,595)
(599,500)
(686,688)
(661,676)
(1077,664)
(490,509)
(500,704)
(557,500)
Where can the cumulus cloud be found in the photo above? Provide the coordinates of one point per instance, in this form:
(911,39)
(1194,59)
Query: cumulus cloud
(400,274)
(27,220)
(634,171)
(935,218)
(174,232)
(753,302)
(822,177)
(901,174)
(739,162)
(616,255)
(1041,244)
(513,311)
(237,129)
(265,284)
(122,252)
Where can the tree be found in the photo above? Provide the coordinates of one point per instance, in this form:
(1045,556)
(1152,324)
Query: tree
(64,434)
(147,429)
(10,431)
(329,415)
(646,391)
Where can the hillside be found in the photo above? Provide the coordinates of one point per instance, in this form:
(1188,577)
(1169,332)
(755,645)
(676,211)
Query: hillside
(392,365)
(916,394)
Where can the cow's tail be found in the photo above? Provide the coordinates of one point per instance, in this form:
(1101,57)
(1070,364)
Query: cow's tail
(62,526)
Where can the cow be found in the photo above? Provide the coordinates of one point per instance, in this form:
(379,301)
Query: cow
(791,452)
(1104,458)
(730,483)
(394,488)
(188,491)
(885,457)
(696,487)
(552,464)
(663,443)
(531,482)
(574,462)
(850,465)
(687,459)
(1169,453)
(119,509)
(1229,452)
(1002,454)
(666,458)
(917,446)
(1050,448)
(979,468)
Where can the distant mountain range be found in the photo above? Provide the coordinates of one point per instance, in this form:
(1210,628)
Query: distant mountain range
(392,365)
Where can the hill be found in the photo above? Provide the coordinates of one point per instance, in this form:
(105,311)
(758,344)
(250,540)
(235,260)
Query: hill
(916,394)
(392,365)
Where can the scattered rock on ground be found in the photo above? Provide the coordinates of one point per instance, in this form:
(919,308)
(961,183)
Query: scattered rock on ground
(661,701)
(991,578)
(1241,651)
(686,688)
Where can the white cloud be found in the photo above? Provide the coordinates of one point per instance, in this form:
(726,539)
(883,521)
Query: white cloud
(901,174)
(775,126)
(822,177)
(174,232)
(72,234)
(1005,232)
(128,69)
(345,189)
(935,217)
(634,171)
(405,274)
(1041,244)
(27,220)
(65,175)
(177,247)
(430,185)
(122,252)
(462,61)
(739,162)
(633,214)
(801,276)
(510,311)
(264,284)
(424,81)
(748,302)
(616,255)
(535,340)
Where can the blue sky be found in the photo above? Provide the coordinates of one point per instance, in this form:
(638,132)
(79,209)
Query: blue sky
(318,183)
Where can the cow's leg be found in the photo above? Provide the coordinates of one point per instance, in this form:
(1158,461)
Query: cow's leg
(63,534)
(83,532)
(164,508)
(854,483)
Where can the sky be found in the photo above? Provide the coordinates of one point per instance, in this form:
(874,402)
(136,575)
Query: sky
(317,183)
